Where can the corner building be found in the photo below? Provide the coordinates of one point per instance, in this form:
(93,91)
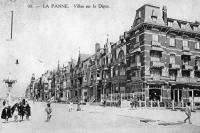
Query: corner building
(163,58)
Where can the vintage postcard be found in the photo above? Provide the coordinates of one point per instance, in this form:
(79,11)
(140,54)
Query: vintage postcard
(99,66)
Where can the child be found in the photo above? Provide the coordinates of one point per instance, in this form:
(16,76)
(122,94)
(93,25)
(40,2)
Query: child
(70,106)
(15,114)
(78,106)
(188,113)
(48,110)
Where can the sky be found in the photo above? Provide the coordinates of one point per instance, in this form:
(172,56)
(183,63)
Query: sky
(44,36)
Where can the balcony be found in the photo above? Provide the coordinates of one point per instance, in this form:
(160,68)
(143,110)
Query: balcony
(156,64)
(187,67)
(155,78)
(154,43)
(197,68)
(136,65)
(174,66)
(186,49)
(182,80)
(186,80)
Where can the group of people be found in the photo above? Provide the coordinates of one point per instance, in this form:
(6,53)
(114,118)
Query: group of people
(17,111)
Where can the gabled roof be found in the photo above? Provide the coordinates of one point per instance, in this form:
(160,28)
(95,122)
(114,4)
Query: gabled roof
(84,56)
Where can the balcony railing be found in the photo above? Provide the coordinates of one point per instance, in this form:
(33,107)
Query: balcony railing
(186,49)
(156,64)
(187,67)
(186,80)
(174,66)
(154,43)
(155,78)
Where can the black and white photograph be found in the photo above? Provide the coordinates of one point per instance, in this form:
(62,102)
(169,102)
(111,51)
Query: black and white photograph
(99,66)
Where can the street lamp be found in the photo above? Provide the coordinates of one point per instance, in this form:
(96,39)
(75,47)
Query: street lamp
(9,84)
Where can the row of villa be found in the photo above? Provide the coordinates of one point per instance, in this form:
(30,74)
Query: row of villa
(157,60)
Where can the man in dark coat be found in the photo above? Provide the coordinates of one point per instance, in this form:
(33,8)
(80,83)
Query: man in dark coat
(21,109)
(27,110)
(6,113)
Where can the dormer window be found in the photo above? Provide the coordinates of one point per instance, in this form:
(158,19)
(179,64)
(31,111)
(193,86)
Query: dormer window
(183,26)
(170,23)
(195,28)
(153,15)
(138,15)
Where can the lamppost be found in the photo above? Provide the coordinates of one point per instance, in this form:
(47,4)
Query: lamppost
(9,83)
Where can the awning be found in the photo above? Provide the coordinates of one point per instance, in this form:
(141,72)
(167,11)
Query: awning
(157,48)
(187,53)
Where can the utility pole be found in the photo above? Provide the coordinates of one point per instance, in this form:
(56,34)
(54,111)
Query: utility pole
(11,32)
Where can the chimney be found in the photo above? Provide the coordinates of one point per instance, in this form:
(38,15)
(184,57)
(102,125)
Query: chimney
(164,13)
(97,47)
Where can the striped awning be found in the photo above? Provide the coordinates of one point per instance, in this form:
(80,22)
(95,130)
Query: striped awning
(157,48)
(187,53)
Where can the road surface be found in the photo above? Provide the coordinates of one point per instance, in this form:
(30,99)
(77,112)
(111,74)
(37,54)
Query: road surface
(95,119)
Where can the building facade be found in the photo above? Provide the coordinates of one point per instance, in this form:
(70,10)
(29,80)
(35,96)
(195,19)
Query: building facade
(156,61)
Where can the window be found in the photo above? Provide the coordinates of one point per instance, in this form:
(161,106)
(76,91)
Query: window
(185,43)
(197,62)
(154,18)
(153,15)
(138,15)
(170,23)
(172,42)
(195,28)
(137,58)
(155,38)
(182,26)
(137,39)
(155,56)
(185,74)
(172,58)
(172,74)
(197,45)
(156,73)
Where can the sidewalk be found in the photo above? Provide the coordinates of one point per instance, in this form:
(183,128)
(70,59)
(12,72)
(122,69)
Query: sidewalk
(162,115)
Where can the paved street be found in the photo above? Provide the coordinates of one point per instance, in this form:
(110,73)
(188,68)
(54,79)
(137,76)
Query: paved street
(95,119)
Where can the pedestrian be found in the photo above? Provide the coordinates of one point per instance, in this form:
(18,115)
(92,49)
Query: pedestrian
(27,110)
(48,110)
(21,110)
(132,103)
(135,102)
(78,106)
(15,114)
(188,113)
(5,114)
(70,106)
(104,102)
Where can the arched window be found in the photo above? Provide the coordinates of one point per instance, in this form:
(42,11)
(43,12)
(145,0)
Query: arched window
(121,56)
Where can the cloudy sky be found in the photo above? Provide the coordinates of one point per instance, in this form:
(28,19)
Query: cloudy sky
(42,36)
